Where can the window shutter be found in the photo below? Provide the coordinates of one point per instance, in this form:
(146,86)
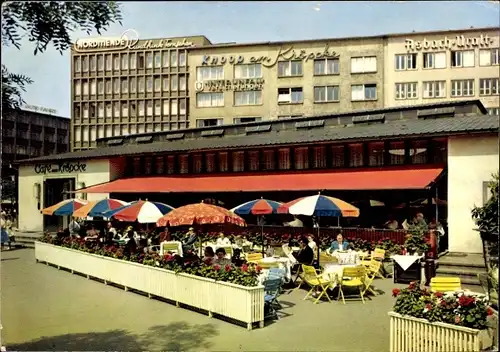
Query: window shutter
(440,60)
(469,58)
(485,57)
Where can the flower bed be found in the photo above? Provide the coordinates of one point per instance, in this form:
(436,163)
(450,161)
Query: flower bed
(425,321)
(229,292)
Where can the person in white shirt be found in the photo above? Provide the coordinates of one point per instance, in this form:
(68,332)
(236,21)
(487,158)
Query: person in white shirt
(311,243)
(223,240)
(74,228)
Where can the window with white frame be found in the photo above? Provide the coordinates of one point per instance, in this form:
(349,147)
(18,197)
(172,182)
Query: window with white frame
(223,161)
(269,160)
(85,133)
(100,86)
(157,59)
(488,86)
(100,131)
(182,82)
(116,85)
(166,84)
(326,94)
(284,159)
(289,68)
(365,64)
(85,64)
(109,110)
(100,110)
(149,60)
(166,107)
(326,67)
(209,122)
(124,109)
(149,108)
(85,111)
(405,62)
(149,84)
(494,111)
(355,155)
(174,107)
(173,59)
(301,158)
(209,99)
(407,90)
(434,60)
(93,63)
(133,83)
(100,62)
(376,154)
(290,95)
(85,85)
(363,92)
(462,58)
(77,64)
(124,85)
(243,71)
(140,84)
(133,61)
(141,107)
(78,88)
(93,87)
(157,107)
(489,57)
(285,117)
(246,119)
(182,59)
(157,84)
(174,82)
(238,161)
(434,89)
(116,109)
(462,88)
(319,157)
(109,62)
(251,97)
(116,62)
(124,61)
(209,73)
(253,160)
(109,86)
(182,107)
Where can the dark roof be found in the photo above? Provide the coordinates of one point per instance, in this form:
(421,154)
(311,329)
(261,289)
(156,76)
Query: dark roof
(444,126)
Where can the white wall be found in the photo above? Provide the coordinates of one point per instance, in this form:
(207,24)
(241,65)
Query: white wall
(30,217)
(471,161)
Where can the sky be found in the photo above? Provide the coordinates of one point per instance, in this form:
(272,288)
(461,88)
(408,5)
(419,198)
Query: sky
(249,21)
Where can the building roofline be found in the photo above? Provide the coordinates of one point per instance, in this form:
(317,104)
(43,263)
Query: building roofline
(38,113)
(380,36)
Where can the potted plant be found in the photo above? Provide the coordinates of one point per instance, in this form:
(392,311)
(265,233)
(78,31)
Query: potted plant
(415,239)
(433,321)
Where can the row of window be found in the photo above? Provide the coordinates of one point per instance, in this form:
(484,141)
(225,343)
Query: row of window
(155,107)
(293,95)
(91,133)
(130,85)
(301,158)
(132,61)
(460,58)
(437,89)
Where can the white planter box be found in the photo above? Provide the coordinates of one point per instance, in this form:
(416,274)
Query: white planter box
(408,334)
(245,304)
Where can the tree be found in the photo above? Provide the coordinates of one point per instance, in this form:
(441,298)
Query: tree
(44,23)
(486,217)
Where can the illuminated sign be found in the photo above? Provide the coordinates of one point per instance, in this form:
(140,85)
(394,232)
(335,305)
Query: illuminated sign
(40,109)
(129,40)
(63,168)
(267,61)
(237,85)
(459,42)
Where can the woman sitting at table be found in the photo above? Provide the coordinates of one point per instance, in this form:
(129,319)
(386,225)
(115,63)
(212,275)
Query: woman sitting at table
(131,246)
(305,255)
(221,257)
(209,256)
(339,244)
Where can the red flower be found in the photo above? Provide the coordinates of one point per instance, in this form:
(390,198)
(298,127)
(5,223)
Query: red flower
(457,319)
(227,267)
(412,285)
(217,267)
(466,301)
(395,292)
(489,311)
(244,268)
(438,294)
(443,303)
(428,306)
(258,268)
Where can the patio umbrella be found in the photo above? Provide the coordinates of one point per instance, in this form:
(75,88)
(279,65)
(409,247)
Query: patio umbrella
(141,211)
(319,205)
(98,207)
(258,207)
(200,214)
(369,203)
(66,207)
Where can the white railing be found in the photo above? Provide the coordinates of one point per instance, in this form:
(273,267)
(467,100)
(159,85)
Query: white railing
(245,304)
(408,334)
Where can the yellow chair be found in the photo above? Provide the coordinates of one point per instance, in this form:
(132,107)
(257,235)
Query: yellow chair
(254,257)
(377,255)
(444,284)
(371,273)
(353,277)
(324,258)
(315,281)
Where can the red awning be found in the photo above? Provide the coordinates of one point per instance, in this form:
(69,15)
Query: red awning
(380,179)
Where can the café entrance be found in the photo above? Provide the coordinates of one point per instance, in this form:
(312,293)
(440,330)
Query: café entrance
(54,191)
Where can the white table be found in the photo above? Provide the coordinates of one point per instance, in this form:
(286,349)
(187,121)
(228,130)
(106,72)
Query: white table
(347,258)
(334,272)
(405,261)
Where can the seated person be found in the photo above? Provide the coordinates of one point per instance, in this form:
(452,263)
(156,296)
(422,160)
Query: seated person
(223,240)
(131,246)
(221,257)
(312,243)
(189,240)
(92,234)
(209,256)
(339,244)
(305,255)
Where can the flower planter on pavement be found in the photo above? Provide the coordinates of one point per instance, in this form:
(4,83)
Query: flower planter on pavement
(408,334)
(241,303)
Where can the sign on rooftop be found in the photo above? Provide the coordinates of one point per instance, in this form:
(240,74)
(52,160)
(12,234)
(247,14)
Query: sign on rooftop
(40,109)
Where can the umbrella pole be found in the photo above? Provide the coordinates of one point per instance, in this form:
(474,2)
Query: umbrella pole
(319,243)
(262,234)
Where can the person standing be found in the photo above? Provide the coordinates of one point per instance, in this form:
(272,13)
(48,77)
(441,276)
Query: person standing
(74,228)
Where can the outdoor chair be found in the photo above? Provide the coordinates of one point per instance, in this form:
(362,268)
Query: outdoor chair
(316,282)
(353,278)
(444,284)
(324,258)
(370,276)
(277,273)
(254,257)
(169,246)
(228,249)
(272,289)
(377,255)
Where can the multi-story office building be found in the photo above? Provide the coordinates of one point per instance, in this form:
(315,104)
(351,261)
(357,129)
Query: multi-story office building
(443,66)
(126,86)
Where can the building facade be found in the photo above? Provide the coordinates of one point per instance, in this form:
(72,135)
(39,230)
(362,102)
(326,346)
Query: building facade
(444,149)
(124,86)
(443,66)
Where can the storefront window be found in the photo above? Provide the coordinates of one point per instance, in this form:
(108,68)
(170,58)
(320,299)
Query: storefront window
(160,165)
(223,162)
(284,159)
(397,153)
(148,165)
(269,160)
(170,164)
(210,162)
(338,156)
(197,163)
(418,152)
(253,160)
(319,157)
(355,155)
(301,158)
(183,164)
(238,161)
(440,151)
(137,166)
(376,154)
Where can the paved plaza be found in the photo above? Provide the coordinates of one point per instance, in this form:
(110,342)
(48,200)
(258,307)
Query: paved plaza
(46,309)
